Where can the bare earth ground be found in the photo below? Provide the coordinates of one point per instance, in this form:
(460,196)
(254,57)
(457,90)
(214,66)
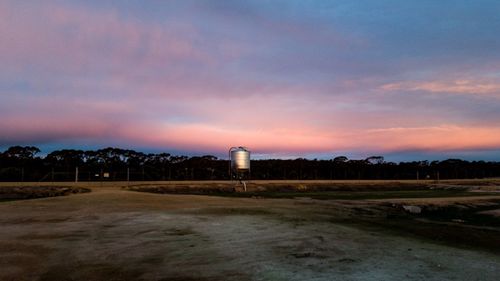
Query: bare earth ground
(116,234)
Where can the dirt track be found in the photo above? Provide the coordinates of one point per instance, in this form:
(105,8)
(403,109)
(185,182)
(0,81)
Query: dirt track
(114,234)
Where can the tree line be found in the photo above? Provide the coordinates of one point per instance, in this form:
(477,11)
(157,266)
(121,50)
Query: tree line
(22,163)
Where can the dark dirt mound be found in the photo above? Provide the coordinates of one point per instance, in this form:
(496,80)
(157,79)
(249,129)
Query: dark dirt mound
(224,188)
(8,193)
(184,189)
(336,191)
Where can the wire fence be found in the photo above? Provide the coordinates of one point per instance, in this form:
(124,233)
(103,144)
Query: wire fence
(21,174)
(260,171)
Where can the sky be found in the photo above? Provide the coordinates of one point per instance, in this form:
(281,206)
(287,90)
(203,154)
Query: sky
(409,80)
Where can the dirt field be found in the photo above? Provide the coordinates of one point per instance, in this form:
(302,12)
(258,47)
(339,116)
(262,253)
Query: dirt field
(112,233)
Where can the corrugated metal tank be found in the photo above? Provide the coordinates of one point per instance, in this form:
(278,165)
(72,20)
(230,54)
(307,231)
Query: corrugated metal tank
(240,159)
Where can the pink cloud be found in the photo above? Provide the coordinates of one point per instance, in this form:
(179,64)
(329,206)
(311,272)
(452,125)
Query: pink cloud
(280,124)
(45,35)
(201,137)
(287,131)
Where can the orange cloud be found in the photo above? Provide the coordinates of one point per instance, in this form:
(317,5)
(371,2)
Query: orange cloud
(436,138)
(203,137)
(480,87)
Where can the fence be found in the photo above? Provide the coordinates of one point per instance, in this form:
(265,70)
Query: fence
(261,170)
(78,174)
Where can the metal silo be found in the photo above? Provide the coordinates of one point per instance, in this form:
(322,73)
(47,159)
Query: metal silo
(239,163)
(240,159)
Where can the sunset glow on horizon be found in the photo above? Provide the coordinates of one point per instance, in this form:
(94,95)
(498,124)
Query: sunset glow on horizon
(284,78)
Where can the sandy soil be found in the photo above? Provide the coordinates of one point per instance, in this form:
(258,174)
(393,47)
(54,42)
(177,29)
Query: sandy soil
(114,234)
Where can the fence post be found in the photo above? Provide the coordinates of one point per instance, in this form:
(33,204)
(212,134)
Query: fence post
(128,175)
(76,174)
